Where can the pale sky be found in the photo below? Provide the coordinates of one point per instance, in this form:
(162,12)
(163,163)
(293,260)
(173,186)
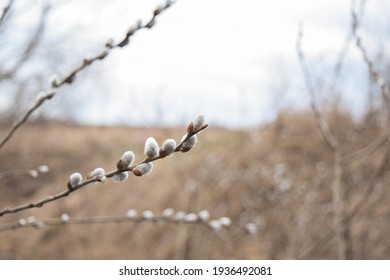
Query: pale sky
(222,59)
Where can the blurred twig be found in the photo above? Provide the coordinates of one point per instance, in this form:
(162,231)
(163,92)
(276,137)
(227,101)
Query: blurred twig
(356,13)
(69,78)
(146,216)
(30,46)
(86,182)
(5,11)
(34,173)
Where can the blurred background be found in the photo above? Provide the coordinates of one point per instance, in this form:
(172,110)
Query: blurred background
(265,161)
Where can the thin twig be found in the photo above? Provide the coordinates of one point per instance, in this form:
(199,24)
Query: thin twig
(34,173)
(37,104)
(368,150)
(347,43)
(86,182)
(69,78)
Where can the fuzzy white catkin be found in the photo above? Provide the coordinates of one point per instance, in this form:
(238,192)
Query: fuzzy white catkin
(169,212)
(22,222)
(43,168)
(225,221)
(31,219)
(204,215)
(54,80)
(75,179)
(191,218)
(34,173)
(97,172)
(128,158)
(151,148)
(148,215)
(251,228)
(143,169)
(65,218)
(179,216)
(132,214)
(120,177)
(190,143)
(169,146)
(198,122)
(215,225)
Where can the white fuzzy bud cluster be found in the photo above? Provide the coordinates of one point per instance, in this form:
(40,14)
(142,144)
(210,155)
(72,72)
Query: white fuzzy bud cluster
(74,180)
(251,228)
(132,214)
(168,213)
(189,143)
(168,148)
(34,173)
(65,218)
(148,215)
(151,148)
(125,161)
(143,169)
(220,223)
(54,81)
(99,174)
(196,125)
(120,177)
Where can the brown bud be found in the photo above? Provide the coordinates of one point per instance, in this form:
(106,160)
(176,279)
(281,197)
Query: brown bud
(156,12)
(150,24)
(163,153)
(109,43)
(70,78)
(124,42)
(86,61)
(136,172)
(184,149)
(121,165)
(102,55)
(190,128)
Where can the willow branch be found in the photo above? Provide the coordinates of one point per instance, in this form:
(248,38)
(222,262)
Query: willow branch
(89,181)
(69,78)
(146,216)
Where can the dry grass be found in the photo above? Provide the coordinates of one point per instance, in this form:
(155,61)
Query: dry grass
(276,177)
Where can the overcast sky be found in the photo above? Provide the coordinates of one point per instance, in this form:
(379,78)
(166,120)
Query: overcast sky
(232,61)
